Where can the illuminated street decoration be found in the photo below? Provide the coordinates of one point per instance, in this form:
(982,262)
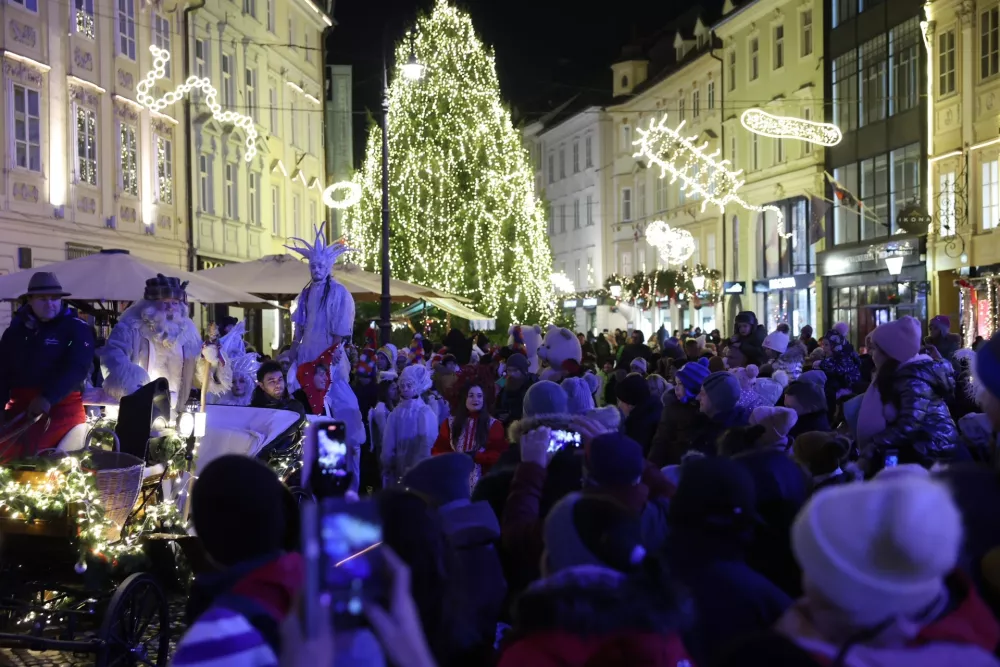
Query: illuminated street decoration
(562,283)
(352,195)
(160,59)
(674,245)
(701,175)
(789,127)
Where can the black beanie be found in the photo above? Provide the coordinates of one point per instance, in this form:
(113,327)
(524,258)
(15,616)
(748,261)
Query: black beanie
(633,390)
(238,508)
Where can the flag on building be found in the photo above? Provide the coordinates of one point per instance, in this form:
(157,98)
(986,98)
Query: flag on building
(843,195)
(819,208)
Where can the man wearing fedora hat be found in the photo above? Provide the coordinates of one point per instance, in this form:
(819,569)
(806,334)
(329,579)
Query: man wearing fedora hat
(45,357)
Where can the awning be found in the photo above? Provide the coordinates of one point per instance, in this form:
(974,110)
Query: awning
(477,321)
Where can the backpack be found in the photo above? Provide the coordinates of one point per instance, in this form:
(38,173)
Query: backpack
(259,617)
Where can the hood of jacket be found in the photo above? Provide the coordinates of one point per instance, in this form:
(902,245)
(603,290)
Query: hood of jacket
(938,375)
(522,426)
(469,524)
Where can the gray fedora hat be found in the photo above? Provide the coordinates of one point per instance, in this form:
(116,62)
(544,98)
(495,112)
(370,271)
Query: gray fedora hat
(44,283)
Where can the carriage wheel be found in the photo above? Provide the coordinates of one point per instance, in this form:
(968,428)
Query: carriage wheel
(300,494)
(136,625)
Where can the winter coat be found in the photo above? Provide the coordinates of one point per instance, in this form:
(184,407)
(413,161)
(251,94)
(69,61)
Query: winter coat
(980,437)
(410,432)
(843,371)
(674,432)
(705,430)
(641,422)
(947,346)
(293,434)
(813,421)
(603,350)
(55,356)
(791,361)
(921,428)
(510,402)
(486,456)
(752,345)
(965,636)
(587,617)
(631,352)
(474,533)
(848,475)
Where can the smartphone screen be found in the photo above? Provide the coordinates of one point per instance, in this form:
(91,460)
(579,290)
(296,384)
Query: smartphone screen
(325,459)
(891,460)
(560,439)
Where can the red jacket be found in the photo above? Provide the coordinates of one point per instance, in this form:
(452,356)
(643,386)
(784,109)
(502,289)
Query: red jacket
(486,456)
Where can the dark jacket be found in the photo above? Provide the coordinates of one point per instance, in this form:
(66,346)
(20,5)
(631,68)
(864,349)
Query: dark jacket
(510,402)
(814,421)
(751,345)
(947,346)
(292,435)
(602,348)
(641,423)
(923,431)
(674,432)
(590,616)
(634,351)
(705,430)
(55,356)
(843,371)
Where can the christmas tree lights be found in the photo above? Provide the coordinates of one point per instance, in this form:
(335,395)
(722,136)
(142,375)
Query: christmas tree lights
(700,173)
(562,283)
(464,215)
(351,196)
(160,59)
(674,245)
(789,127)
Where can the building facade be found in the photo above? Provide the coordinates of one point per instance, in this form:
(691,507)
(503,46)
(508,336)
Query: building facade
(876,66)
(86,168)
(677,77)
(266,60)
(339,131)
(771,61)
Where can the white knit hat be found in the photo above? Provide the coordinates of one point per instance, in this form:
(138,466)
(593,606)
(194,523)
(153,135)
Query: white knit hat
(777,341)
(881,549)
(638,365)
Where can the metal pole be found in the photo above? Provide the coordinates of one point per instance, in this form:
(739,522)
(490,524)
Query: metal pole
(386,301)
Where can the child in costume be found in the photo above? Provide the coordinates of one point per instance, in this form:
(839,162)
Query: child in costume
(411,429)
(231,370)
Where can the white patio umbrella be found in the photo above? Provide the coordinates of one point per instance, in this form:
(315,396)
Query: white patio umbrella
(116,275)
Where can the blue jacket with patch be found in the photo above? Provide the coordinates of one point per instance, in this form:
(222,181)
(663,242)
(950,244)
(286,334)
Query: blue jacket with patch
(55,356)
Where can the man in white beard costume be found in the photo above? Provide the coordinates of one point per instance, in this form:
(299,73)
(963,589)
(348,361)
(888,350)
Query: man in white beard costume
(153,339)
(233,370)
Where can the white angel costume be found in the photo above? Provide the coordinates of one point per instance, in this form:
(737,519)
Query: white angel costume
(411,428)
(231,370)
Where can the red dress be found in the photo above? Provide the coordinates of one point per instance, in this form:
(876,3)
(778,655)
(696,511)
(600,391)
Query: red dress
(486,456)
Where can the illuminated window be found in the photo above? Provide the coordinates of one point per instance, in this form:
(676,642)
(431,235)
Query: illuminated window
(83,16)
(86,145)
(164,169)
(129,160)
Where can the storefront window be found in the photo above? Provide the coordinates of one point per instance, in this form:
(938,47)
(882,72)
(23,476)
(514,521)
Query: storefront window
(794,307)
(786,256)
(864,307)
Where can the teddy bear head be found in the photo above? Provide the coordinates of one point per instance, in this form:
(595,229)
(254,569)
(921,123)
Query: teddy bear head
(560,345)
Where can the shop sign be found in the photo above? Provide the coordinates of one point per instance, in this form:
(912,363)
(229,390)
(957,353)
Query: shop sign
(570,303)
(854,260)
(734,287)
(781,283)
(590,303)
(914,219)
(205,263)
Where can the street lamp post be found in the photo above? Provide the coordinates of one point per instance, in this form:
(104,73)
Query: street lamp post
(412,71)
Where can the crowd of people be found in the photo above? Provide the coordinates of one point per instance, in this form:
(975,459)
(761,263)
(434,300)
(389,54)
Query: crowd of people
(754,499)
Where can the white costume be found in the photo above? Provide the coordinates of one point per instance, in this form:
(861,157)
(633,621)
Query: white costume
(232,366)
(411,429)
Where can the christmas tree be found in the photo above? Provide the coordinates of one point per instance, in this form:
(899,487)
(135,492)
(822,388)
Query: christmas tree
(463,212)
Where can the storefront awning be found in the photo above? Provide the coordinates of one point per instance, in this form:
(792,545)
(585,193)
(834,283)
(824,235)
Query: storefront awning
(477,321)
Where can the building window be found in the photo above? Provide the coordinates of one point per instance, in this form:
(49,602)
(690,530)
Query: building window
(552,168)
(754,58)
(626,204)
(845,91)
(874,81)
(946,63)
(253,188)
(681,116)
(710,97)
(30,5)
(207,185)
(576,214)
(576,157)
(732,149)
(991,195)
(232,208)
(590,210)
(129,160)
(576,275)
(201,58)
(551,215)
(291,34)
(273,103)
(846,216)
(736,247)
(731,70)
(86,145)
(293,114)
(588,151)
(161,38)
(250,7)
(779,151)
(307,47)
(83,18)
(562,218)
(806,33)
(807,147)
(785,256)
(989,50)
(227,81)
(844,10)
(312,214)
(660,194)
(272,16)
(904,41)
(905,181)
(946,186)
(696,103)
(754,151)
(297,214)
(251,95)
(164,170)
(562,162)
(627,138)
(126,28)
(875,195)
(886,183)
(275,205)
(779,47)
(710,250)
(640,197)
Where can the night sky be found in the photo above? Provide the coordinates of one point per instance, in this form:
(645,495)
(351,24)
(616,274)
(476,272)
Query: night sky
(547,50)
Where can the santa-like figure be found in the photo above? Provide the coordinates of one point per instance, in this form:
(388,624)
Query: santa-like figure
(231,370)
(153,339)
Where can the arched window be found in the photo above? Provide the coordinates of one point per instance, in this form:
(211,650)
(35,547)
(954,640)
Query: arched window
(736,247)
(624,81)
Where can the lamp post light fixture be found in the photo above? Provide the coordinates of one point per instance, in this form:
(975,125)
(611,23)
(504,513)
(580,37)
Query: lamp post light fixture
(895,264)
(699,283)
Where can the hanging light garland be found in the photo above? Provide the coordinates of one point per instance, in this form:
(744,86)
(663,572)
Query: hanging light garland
(674,245)
(790,127)
(700,174)
(352,195)
(160,59)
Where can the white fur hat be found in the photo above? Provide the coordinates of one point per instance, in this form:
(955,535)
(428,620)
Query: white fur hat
(777,341)
(639,365)
(881,549)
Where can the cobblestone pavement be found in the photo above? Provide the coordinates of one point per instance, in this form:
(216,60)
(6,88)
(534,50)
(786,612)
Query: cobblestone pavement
(25,658)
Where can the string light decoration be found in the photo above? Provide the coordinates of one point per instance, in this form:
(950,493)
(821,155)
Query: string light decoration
(352,195)
(674,245)
(790,127)
(160,59)
(465,217)
(702,176)
(562,283)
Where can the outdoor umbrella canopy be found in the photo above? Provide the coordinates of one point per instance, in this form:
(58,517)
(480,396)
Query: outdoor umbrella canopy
(115,275)
(279,277)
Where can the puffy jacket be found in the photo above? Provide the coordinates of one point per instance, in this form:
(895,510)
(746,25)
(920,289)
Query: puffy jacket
(55,356)
(923,430)
(674,431)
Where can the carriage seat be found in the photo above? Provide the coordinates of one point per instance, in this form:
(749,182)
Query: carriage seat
(75,439)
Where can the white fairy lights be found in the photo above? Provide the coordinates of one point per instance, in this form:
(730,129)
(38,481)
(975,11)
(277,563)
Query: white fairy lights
(160,59)
(789,127)
(674,245)
(562,283)
(351,196)
(700,173)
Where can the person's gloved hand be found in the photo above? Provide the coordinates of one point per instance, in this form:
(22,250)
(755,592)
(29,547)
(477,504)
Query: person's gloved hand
(38,406)
(535,446)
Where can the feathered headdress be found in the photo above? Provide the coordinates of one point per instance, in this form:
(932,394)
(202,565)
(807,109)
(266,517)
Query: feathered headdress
(235,352)
(319,252)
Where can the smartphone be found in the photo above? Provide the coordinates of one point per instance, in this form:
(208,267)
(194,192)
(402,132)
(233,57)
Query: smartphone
(324,457)
(561,439)
(341,543)
(891,460)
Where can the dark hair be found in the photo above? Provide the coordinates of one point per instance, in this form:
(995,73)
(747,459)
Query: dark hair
(449,359)
(267,368)
(884,379)
(739,439)
(321,366)
(462,415)
(383,393)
